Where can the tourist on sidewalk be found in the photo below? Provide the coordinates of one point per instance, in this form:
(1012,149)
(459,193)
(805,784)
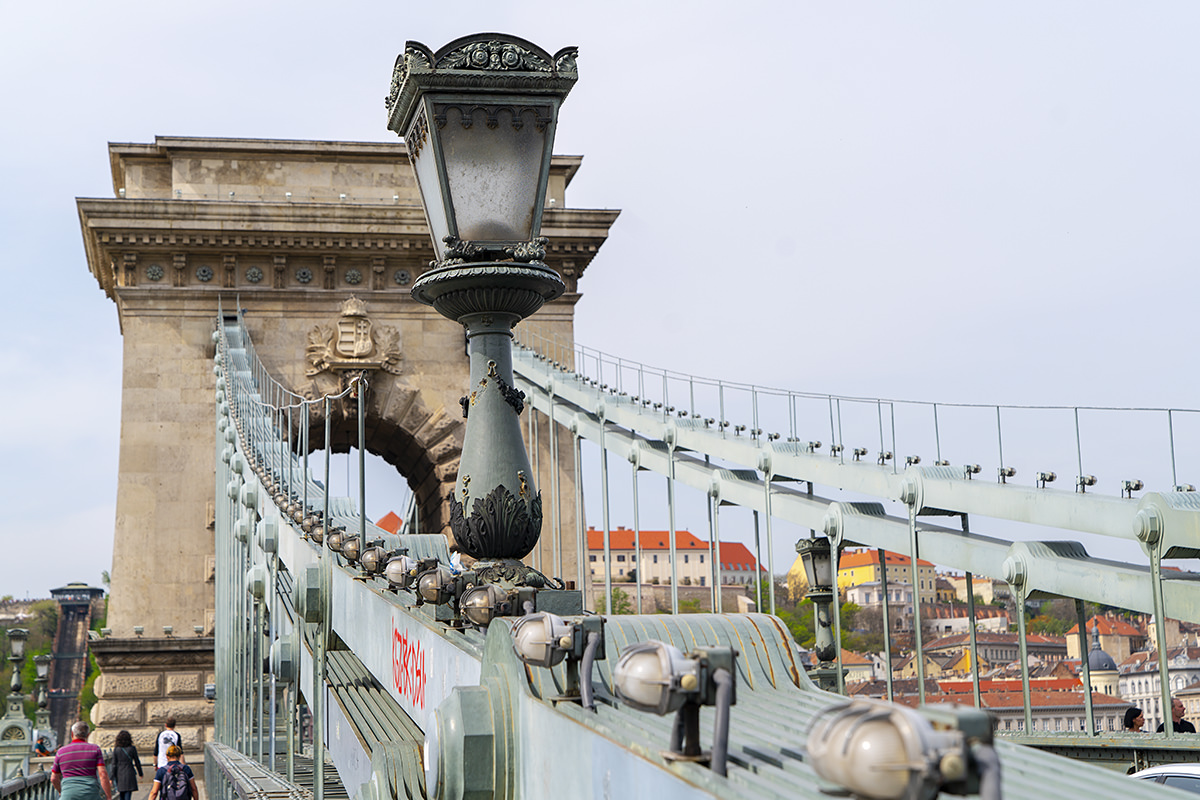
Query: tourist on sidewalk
(78,772)
(175,781)
(124,766)
(167,737)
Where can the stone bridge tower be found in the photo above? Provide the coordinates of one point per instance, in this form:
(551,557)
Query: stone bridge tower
(290,232)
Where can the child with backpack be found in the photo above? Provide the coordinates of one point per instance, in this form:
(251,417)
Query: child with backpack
(175,781)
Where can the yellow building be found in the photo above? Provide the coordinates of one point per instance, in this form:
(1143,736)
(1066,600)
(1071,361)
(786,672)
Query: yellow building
(862,566)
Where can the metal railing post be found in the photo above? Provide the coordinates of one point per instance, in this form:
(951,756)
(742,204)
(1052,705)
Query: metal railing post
(1085,668)
(887,623)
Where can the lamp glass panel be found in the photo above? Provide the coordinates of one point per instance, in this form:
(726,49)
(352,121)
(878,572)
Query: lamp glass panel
(424,160)
(806,558)
(494,158)
(823,566)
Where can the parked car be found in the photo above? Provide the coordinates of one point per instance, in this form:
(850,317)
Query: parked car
(1181,776)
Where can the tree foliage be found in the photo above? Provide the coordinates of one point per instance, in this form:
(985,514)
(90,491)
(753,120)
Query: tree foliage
(621,603)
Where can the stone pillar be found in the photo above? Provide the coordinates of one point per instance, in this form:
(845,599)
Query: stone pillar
(144,681)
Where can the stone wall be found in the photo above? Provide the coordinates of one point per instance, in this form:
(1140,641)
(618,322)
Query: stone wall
(144,681)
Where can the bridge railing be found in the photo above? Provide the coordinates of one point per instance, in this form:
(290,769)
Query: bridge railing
(757,448)
(35,787)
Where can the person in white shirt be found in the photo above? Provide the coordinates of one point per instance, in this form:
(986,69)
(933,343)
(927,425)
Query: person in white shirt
(166,737)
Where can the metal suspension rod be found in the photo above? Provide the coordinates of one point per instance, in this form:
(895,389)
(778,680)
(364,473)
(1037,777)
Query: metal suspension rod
(918,649)
(887,624)
(556,539)
(716,512)
(608,594)
(362,462)
(671,527)
(1160,635)
(318,692)
(713,553)
(757,566)
(581,551)
(637,539)
(966,526)
(1085,668)
(1024,651)
(770,540)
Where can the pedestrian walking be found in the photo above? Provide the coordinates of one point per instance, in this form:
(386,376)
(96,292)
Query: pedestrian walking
(124,766)
(78,772)
(166,737)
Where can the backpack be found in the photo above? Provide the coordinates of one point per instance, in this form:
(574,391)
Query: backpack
(175,783)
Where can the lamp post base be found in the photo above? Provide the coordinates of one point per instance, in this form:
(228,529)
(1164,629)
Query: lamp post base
(825,676)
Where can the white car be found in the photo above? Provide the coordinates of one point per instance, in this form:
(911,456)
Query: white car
(1181,776)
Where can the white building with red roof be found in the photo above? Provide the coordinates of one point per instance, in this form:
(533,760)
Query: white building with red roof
(694,564)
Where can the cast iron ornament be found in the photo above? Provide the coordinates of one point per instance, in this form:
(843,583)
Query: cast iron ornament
(501,525)
(514,397)
(497,60)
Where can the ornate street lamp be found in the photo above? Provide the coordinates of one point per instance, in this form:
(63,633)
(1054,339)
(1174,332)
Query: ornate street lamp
(16,642)
(15,741)
(478,117)
(42,719)
(817,557)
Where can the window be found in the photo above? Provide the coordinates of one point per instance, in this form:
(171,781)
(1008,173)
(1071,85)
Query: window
(702,558)
(620,558)
(592,558)
(685,558)
(1188,783)
(702,581)
(620,572)
(656,558)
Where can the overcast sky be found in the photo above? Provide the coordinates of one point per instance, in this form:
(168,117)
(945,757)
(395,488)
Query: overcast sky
(980,203)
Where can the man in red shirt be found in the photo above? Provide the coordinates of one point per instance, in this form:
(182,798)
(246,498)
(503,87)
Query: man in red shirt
(78,772)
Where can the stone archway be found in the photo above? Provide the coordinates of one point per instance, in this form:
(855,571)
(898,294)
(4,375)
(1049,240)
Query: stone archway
(421,440)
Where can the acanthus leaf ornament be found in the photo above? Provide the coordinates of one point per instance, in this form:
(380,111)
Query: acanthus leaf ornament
(500,525)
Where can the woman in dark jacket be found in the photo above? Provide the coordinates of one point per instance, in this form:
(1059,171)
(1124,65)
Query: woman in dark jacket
(123,765)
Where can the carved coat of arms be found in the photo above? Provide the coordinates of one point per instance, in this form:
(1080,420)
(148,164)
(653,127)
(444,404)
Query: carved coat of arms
(353,343)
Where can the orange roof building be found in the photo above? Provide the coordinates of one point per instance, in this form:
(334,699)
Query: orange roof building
(862,566)
(736,564)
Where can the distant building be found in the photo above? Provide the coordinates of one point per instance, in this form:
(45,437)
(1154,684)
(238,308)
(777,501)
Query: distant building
(737,564)
(945,590)
(694,564)
(1003,648)
(1139,679)
(943,619)
(858,667)
(1102,669)
(1118,637)
(985,589)
(862,566)
(869,595)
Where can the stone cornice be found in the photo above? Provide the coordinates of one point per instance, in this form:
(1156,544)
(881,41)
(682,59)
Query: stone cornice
(138,653)
(114,230)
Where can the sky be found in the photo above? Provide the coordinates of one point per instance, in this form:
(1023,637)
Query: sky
(989,203)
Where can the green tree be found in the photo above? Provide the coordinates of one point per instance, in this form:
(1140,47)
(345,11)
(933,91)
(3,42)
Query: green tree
(691,605)
(621,603)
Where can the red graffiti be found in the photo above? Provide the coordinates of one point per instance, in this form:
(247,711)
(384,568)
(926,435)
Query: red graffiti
(408,667)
